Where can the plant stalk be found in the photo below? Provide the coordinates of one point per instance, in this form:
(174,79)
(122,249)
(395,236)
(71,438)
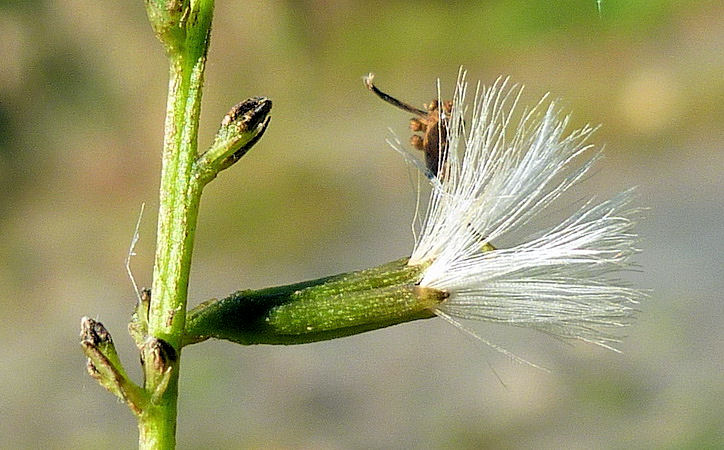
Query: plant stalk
(180,194)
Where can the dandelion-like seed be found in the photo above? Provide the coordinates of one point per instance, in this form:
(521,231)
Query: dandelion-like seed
(498,173)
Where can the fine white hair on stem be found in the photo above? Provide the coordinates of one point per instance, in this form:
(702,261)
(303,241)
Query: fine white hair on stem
(132,251)
(498,173)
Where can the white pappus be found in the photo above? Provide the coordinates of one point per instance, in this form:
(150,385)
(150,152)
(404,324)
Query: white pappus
(498,174)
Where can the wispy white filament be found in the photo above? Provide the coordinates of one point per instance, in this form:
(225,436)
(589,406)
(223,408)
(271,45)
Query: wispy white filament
(499,174)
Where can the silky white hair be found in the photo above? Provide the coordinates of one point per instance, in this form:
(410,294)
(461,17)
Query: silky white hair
(497,174)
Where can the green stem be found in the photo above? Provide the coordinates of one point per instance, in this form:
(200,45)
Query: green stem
(178,205)
(180,194)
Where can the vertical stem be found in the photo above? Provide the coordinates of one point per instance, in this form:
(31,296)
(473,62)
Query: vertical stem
(178,206)
(180,194)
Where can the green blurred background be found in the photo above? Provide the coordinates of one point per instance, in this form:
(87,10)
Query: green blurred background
(82,97)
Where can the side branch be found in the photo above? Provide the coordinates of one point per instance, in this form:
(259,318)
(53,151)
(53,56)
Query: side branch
(105,366)
(241,128)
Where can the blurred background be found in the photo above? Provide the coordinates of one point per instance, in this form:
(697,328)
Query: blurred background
(82,98)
